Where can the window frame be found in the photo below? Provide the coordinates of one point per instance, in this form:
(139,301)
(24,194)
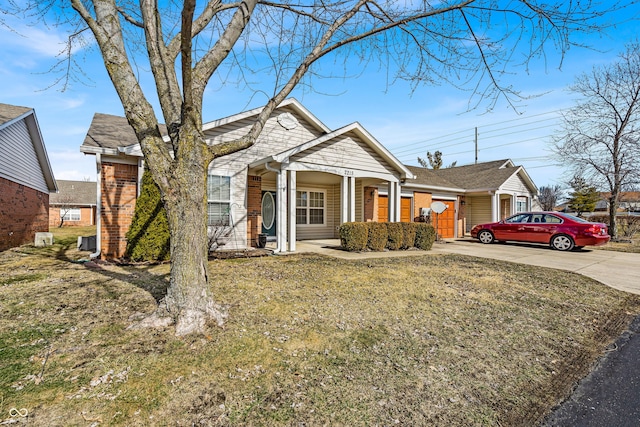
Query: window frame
(522,201)
(308,208)
(219,201)
(69,215)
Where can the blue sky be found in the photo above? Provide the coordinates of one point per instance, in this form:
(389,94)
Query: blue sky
(408,124)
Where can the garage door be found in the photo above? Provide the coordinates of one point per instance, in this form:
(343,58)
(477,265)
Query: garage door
(446,220)
(383,209)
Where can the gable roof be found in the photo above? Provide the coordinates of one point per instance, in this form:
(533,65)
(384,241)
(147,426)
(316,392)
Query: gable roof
(289,102)
(74,193)
(109,134)
(486,176)
(8,113)
(357,129)
(11,114)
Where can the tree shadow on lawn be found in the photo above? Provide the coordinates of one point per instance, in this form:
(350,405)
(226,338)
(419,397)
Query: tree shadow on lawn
(139,275)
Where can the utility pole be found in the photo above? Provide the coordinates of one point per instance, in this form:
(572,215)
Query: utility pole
(476,139)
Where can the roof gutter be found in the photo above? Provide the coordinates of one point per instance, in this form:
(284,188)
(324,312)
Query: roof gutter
(96,254)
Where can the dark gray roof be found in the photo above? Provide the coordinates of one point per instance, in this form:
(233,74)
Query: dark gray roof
(76,193)
(476,176)
(426,176)
(10,112)
(110,132)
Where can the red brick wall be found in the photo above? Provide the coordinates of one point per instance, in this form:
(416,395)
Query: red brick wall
(119,188)
(370,204)
(254,209)
(87,217)
(420,200)
(23,212)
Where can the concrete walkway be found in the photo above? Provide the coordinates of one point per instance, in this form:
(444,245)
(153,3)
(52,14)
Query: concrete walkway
(618,270)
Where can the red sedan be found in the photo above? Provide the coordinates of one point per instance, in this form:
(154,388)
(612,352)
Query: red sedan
(563,232)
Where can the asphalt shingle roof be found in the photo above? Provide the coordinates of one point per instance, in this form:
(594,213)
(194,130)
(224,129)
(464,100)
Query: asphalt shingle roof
(475,176)
(108,131)
(78,193)
(10,112)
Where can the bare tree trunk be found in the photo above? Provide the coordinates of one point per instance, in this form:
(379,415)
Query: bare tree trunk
(189,297)
(613,207)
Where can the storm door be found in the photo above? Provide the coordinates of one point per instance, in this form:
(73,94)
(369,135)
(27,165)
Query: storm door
(269,213)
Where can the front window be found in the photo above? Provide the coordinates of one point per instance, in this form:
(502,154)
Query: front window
(310,207)
(70,214)
(521,204)
(218,199)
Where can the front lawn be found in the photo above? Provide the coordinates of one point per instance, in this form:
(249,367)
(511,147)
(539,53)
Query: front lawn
(311,340)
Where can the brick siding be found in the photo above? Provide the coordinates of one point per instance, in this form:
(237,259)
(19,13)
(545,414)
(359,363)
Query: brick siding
(254,209)
(420,200)
(87,217)
(370,204)
(23,212)
(119,189)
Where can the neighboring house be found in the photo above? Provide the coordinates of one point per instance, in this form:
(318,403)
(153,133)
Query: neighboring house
(75,202)
(26,178)
(473,194)
(299,181)
(629,201)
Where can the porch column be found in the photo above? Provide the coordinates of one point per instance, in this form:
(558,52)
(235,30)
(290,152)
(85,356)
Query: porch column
(352,198)
(291,182)
(281,209)
(391,201)
(344,200)
(514,204)
(398,202)
(495,207)
(394,201)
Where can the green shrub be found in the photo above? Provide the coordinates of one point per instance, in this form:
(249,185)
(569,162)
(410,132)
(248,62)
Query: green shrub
(148,236)
(409,234)
(425,236)
(377,236)
(394,241)
(354,236)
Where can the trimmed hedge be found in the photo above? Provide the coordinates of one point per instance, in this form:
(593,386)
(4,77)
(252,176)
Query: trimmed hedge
(354,236)
(425,236)
(409,234)
(376,236)
(396,237)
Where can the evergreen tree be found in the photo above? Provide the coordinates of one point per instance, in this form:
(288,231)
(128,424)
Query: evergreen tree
(148,236)
(584,197)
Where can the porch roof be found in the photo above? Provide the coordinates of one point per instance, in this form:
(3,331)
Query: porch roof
(357,129)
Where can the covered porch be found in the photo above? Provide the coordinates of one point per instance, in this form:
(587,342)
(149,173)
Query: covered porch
(307,202)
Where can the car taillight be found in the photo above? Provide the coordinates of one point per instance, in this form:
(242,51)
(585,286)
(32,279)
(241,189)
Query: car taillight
(596,229)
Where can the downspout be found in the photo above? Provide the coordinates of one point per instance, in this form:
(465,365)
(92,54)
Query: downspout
(96,254)
(278,179)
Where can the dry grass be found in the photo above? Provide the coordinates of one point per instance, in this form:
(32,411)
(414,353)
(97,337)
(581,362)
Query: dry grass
(433,340)
(632,245)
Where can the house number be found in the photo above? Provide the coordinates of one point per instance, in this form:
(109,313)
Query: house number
(348,172)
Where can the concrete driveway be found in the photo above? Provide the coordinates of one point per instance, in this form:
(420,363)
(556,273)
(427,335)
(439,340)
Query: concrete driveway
(616,269)
(619,270)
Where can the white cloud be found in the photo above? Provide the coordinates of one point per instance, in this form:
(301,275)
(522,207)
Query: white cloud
(26,40)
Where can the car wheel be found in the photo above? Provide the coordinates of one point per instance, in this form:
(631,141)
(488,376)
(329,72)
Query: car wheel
(486,237)
(562,242)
